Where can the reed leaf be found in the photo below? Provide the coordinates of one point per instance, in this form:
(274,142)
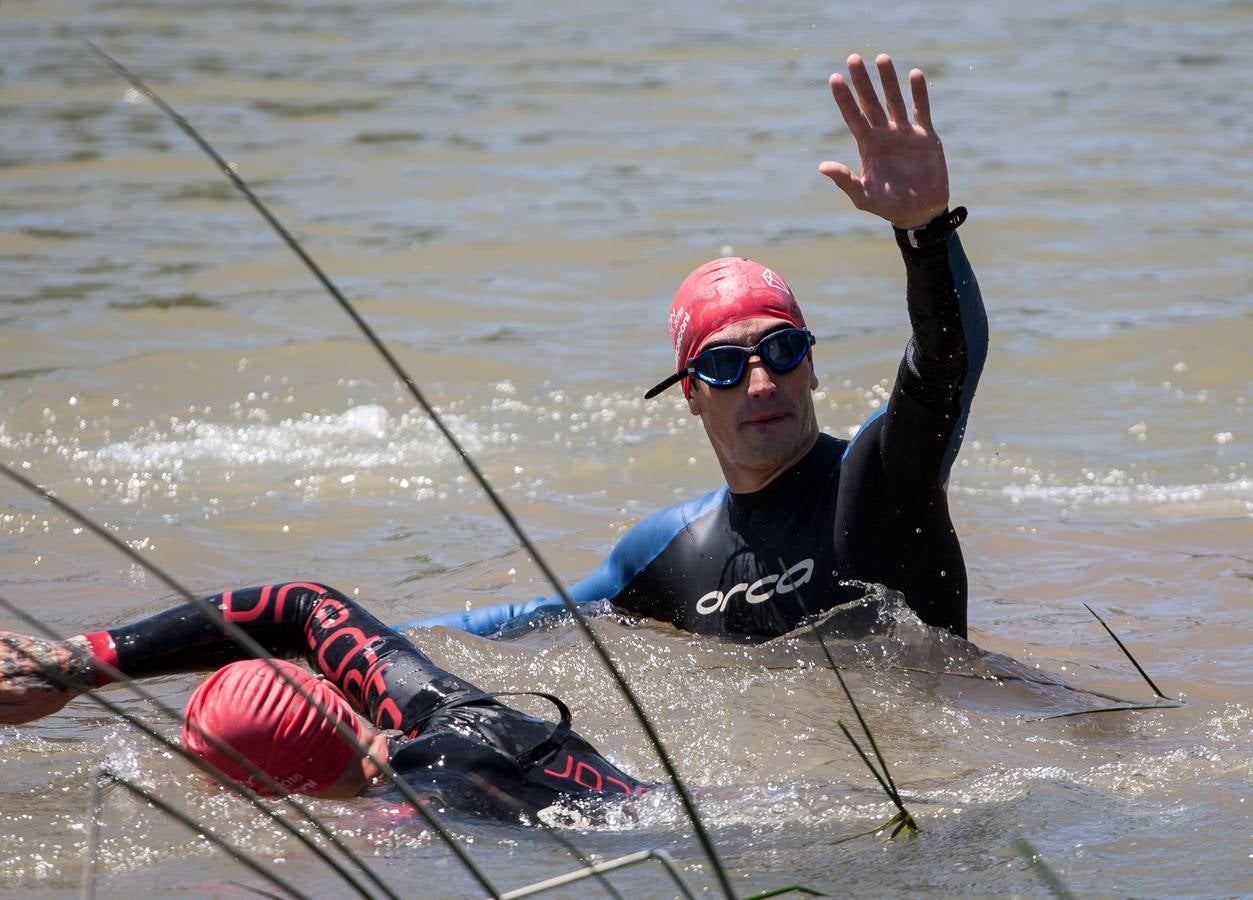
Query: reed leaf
(221,843)
(62,680)
(514,525)
(244,640)
(561,840)
(1127,653)
(1050,878)
(891,792)
(790,889)
(884,779)
(622,862)
(1131,707)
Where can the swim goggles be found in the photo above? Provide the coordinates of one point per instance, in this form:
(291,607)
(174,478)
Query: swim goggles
(724,367)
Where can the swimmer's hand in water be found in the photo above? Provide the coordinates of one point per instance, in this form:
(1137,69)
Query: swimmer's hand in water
(904,177)
(27,690)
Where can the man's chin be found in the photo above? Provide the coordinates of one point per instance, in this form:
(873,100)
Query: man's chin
(775,445)
(768,451)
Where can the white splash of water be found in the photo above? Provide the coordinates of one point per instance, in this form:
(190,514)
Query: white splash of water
(361,437)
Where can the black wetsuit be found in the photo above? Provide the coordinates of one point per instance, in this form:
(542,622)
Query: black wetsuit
(448,728)
(869,510)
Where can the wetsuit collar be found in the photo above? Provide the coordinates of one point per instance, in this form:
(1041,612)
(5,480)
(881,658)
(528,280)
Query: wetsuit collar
(813,465)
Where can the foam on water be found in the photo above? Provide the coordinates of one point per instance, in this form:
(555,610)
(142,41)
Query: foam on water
(362,437)
(775,772)
(1201,499)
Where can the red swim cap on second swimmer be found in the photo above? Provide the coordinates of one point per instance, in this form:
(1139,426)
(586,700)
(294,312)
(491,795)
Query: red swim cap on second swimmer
(248,706)
(720,293)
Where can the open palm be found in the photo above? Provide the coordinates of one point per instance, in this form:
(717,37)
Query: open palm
(904,177)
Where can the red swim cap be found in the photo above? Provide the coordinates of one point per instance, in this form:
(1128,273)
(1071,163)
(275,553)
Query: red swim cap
(720,293)
(249,707)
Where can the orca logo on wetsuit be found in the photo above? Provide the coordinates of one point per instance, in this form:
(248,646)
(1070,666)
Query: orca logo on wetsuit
(793,578)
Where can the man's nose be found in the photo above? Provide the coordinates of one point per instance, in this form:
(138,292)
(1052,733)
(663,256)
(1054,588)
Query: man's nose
(760,379)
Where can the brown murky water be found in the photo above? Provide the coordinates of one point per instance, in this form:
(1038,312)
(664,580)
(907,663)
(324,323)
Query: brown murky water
(512,193)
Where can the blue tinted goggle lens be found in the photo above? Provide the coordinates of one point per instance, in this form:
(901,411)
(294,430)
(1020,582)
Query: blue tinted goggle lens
(724,367)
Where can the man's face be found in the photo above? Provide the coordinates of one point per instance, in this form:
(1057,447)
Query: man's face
(765,423)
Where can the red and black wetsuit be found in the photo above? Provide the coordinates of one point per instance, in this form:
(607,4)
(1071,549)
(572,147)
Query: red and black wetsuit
(870,510)
(448,727)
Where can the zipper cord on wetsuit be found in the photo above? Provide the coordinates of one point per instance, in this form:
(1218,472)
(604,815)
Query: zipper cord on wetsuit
(525,760)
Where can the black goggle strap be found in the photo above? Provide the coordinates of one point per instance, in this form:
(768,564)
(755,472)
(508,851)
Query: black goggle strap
(691,366)
(672,379)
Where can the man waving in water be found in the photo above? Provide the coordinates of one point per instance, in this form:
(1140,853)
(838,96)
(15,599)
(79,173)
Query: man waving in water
(805,521)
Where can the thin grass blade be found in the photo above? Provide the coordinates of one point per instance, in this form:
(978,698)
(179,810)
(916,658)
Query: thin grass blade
(1127,653)
(1135,707)
(889,786)
(246,641)
(874,745)
(565,843)
(230,784)
(221,843)
(892,794)
(1050,878)
(541,563)
(622,862)
(790,889)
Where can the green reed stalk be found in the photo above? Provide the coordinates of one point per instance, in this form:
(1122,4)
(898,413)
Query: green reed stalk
(654,738)
(874,745)
(885,780)
(790,889)
(243,639)
(222,844)
(908,820)
(562,841)
(1127,653)
(1050,878)
(622,862)
(65,681)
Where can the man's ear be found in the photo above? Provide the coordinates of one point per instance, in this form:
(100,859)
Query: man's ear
(813,374)
(693,403)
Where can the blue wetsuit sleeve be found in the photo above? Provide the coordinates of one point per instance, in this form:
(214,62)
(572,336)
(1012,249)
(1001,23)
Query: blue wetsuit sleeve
(489,619)
(477,621)
(640,546)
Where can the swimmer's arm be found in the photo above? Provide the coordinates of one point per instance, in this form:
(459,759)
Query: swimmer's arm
(624,568)
(338,638)
(920,429)
(488,620)
(949,339)
(904,179)
(39,677)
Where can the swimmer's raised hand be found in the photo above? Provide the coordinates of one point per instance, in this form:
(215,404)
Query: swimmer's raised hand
(904,177)
(27,690)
